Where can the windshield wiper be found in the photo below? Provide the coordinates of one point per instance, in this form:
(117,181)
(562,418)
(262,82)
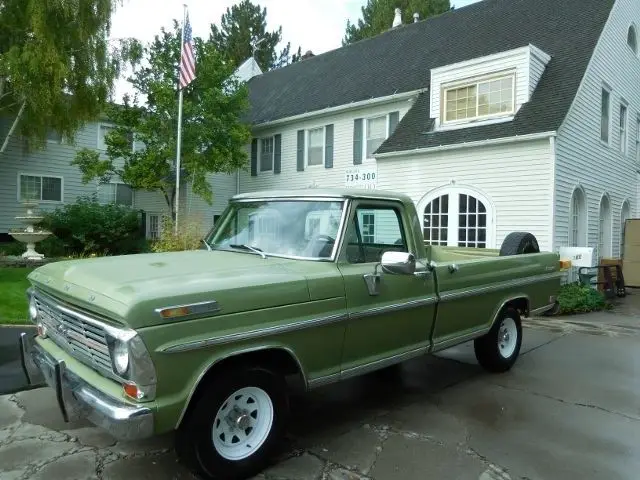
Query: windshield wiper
(247,247)
(206,244)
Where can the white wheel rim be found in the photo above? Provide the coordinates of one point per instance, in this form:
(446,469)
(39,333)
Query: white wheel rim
(507,337)
(242,423)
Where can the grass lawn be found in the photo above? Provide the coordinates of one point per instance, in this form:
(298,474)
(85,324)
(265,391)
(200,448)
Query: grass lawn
(13,302)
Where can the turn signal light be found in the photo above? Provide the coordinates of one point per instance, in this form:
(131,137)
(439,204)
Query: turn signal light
(131,390)
(565,264)
(174,312)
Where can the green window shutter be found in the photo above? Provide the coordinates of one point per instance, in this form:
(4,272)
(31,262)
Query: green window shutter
(254,157)
(358,131)
(300,150)
(328,146)
(277,153)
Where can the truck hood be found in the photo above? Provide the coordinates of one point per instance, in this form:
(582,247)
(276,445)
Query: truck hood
(129,288)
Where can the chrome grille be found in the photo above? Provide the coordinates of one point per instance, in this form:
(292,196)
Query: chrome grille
(83,340)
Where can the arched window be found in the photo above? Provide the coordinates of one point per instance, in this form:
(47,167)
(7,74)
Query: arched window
(458,217)
(604,228)
(625,214)
(632,39)
(578,219)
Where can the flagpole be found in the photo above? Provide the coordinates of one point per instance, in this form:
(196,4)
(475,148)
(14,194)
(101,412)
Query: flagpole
(179,143)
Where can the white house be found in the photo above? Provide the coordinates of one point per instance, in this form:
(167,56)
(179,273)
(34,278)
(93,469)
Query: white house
(48,176)
(501,116)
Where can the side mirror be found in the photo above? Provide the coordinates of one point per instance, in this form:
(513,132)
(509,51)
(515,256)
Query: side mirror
(399,263)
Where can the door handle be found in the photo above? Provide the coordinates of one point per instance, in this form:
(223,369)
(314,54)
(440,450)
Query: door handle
(453,268)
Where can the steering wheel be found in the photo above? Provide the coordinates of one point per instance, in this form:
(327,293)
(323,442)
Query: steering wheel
(318,237)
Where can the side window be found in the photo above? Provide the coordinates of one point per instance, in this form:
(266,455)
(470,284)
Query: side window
(373,230)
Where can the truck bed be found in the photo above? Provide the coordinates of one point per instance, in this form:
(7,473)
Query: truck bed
(441,254)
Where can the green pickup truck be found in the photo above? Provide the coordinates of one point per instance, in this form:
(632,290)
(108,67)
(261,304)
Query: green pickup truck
(313,285)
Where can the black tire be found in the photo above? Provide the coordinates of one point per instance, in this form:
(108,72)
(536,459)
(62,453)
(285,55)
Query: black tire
(194,440)
(519,243)
(487,348)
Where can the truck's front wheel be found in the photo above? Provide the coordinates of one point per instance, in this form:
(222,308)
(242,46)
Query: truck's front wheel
(498,350)
(235,426)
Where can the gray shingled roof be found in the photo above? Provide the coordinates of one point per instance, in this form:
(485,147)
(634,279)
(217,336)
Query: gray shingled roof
(400,60)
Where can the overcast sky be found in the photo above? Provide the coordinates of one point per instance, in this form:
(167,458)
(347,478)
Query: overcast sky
(316,25)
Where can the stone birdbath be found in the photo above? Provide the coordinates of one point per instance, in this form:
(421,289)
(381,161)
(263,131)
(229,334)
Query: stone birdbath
(29,234)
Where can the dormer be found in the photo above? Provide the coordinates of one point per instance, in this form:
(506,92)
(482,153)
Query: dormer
(485,90)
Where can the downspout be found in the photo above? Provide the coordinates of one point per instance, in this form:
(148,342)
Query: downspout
(552,147)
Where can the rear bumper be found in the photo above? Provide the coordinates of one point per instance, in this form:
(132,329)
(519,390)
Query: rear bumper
(77,399)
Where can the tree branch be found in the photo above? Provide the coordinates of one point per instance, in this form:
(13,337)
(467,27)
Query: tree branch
(13,127)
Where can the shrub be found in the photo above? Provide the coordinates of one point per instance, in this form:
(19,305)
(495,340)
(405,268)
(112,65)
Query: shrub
(88,227)
(189,235)
(578,298)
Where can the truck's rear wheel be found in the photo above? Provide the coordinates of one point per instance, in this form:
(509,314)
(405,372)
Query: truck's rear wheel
(498,350)
(235,426)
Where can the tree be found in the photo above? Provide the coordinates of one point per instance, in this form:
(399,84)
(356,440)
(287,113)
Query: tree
(377,16)
(241,26)
(213,135)
(57,67)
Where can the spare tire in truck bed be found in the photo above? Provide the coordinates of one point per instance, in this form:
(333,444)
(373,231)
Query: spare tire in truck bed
(518,243)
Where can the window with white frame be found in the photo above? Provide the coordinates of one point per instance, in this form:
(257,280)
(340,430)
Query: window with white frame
(53,136)
(604,228)
(578,219)
(40,188)
(481,99)
(632,39)
(368,227)
(623,128)
(102,133)
(266,154)
(625,214)
(604,115)
(315,148)
(638,140)
(376,134)
(153,226)
(114,192)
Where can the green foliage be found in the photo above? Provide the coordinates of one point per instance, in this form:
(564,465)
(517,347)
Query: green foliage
(189,236)
(377,16)
(242,24)
(579,298)
(213,136)
(90,228)
(57,66)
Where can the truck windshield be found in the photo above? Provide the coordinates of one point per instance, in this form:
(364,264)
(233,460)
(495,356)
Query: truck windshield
(289,228)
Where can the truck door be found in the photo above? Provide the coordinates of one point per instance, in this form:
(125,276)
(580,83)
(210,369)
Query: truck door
(392,321)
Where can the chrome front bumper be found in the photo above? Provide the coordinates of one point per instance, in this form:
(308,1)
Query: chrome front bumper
(77,399)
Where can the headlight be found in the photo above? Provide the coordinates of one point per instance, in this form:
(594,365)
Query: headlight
(33,310)
(121,357)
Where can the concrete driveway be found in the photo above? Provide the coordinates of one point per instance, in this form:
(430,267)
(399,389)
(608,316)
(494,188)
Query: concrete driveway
(569,409)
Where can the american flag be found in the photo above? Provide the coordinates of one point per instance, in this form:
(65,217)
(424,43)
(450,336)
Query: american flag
(187,58)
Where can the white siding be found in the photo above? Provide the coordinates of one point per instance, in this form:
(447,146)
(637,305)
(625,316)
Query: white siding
(316,175)
(537,65)
(54,161)
(519,60)
(192,206)
(223,187)
(516,178)
(581,156)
